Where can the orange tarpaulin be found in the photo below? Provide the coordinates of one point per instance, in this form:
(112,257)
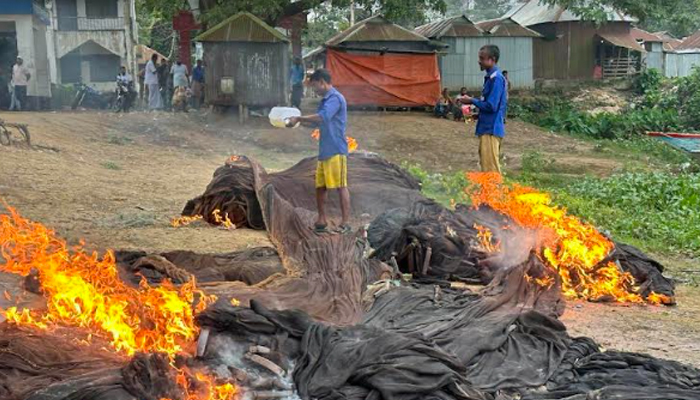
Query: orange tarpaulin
(404,80)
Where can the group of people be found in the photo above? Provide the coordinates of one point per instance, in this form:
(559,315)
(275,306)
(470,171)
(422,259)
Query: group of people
(331,118)
(170,86)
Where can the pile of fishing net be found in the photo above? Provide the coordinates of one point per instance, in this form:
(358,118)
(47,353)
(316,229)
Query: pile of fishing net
(331,316)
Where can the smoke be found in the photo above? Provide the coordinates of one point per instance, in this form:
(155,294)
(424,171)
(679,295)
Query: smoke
(228,358)
(515,243)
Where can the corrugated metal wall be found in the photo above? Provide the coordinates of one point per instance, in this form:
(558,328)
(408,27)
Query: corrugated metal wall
(655,57)
(260,72)
(568,50)
(680,64)
(460,66)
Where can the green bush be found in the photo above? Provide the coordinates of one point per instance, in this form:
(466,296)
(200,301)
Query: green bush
(666,105)
(660,210)
(648,81)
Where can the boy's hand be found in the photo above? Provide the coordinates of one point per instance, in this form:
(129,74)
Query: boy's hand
(466,99)
(291,121)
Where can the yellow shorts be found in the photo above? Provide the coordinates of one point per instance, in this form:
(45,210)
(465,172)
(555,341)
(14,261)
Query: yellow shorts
(332,173)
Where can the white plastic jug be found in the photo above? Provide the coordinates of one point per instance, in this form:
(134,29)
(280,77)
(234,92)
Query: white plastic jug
(280,115)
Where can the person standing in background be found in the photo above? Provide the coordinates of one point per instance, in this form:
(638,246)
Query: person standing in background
(163,72)
(20,80)
(198,84)
(492,107)
(151,81)
(296,77)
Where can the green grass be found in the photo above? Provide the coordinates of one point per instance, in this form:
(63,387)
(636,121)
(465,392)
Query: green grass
(111,165)
(656,211)
(119,140)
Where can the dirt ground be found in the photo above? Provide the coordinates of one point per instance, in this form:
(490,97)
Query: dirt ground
(116,180)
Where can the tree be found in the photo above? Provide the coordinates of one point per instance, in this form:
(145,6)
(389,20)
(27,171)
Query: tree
(479,10)
(598,10)
(680,22)
(406,12)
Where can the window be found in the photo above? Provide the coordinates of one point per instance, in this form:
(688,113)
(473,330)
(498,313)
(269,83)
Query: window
(70,69)
(101,8)
(104,67)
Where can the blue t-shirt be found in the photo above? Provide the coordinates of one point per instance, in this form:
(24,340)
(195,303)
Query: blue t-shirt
(296,74)
(334,116)
(198,74)
(492,105)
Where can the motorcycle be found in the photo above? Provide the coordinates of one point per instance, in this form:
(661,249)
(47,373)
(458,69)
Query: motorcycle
(124,98)
(87,97)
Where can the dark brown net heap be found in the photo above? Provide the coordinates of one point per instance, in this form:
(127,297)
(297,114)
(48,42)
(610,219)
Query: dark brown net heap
(335,316)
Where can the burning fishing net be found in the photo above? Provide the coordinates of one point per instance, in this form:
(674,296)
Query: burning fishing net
(83,290)
(336,322)
(576,250)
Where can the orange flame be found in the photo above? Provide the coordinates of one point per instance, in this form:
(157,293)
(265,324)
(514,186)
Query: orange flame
(573,248)
(232,159)
(83,290)
(223,221)
(486,241)
(184,220)
(352,143)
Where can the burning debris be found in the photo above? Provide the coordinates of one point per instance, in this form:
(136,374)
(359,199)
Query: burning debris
(84,291)
(576,250)
(310,327)
(217,219)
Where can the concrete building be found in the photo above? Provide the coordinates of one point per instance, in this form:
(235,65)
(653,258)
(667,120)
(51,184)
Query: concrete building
(24,26)
(92,39)
(66,41)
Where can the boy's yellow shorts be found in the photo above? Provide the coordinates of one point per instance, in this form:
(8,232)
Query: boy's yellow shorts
(332,173)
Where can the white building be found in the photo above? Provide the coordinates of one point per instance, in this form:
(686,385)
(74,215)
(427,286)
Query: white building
(68,41)
(91,40)
(24,31)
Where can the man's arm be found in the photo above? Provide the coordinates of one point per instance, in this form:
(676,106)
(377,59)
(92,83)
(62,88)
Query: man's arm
(492,102)
(330,108)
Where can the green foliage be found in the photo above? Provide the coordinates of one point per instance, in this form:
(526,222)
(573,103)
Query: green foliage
(326,22)
(409,13)
(648,81)
(442,187)
(559,115)
(111,165)
(479,10)
(666,106)
(681,20)
(601,10)
(659,209)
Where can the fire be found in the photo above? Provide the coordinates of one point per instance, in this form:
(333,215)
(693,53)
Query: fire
(352,143)
(573,248)
(486,241)
(223,221)
(83,290)
(184,220)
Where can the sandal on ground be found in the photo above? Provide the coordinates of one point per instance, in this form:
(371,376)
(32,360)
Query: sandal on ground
(321,229)
(344,229)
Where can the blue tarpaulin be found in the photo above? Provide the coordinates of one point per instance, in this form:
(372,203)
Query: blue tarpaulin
(691,145)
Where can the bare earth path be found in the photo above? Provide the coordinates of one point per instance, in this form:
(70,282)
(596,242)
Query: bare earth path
(116,180)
